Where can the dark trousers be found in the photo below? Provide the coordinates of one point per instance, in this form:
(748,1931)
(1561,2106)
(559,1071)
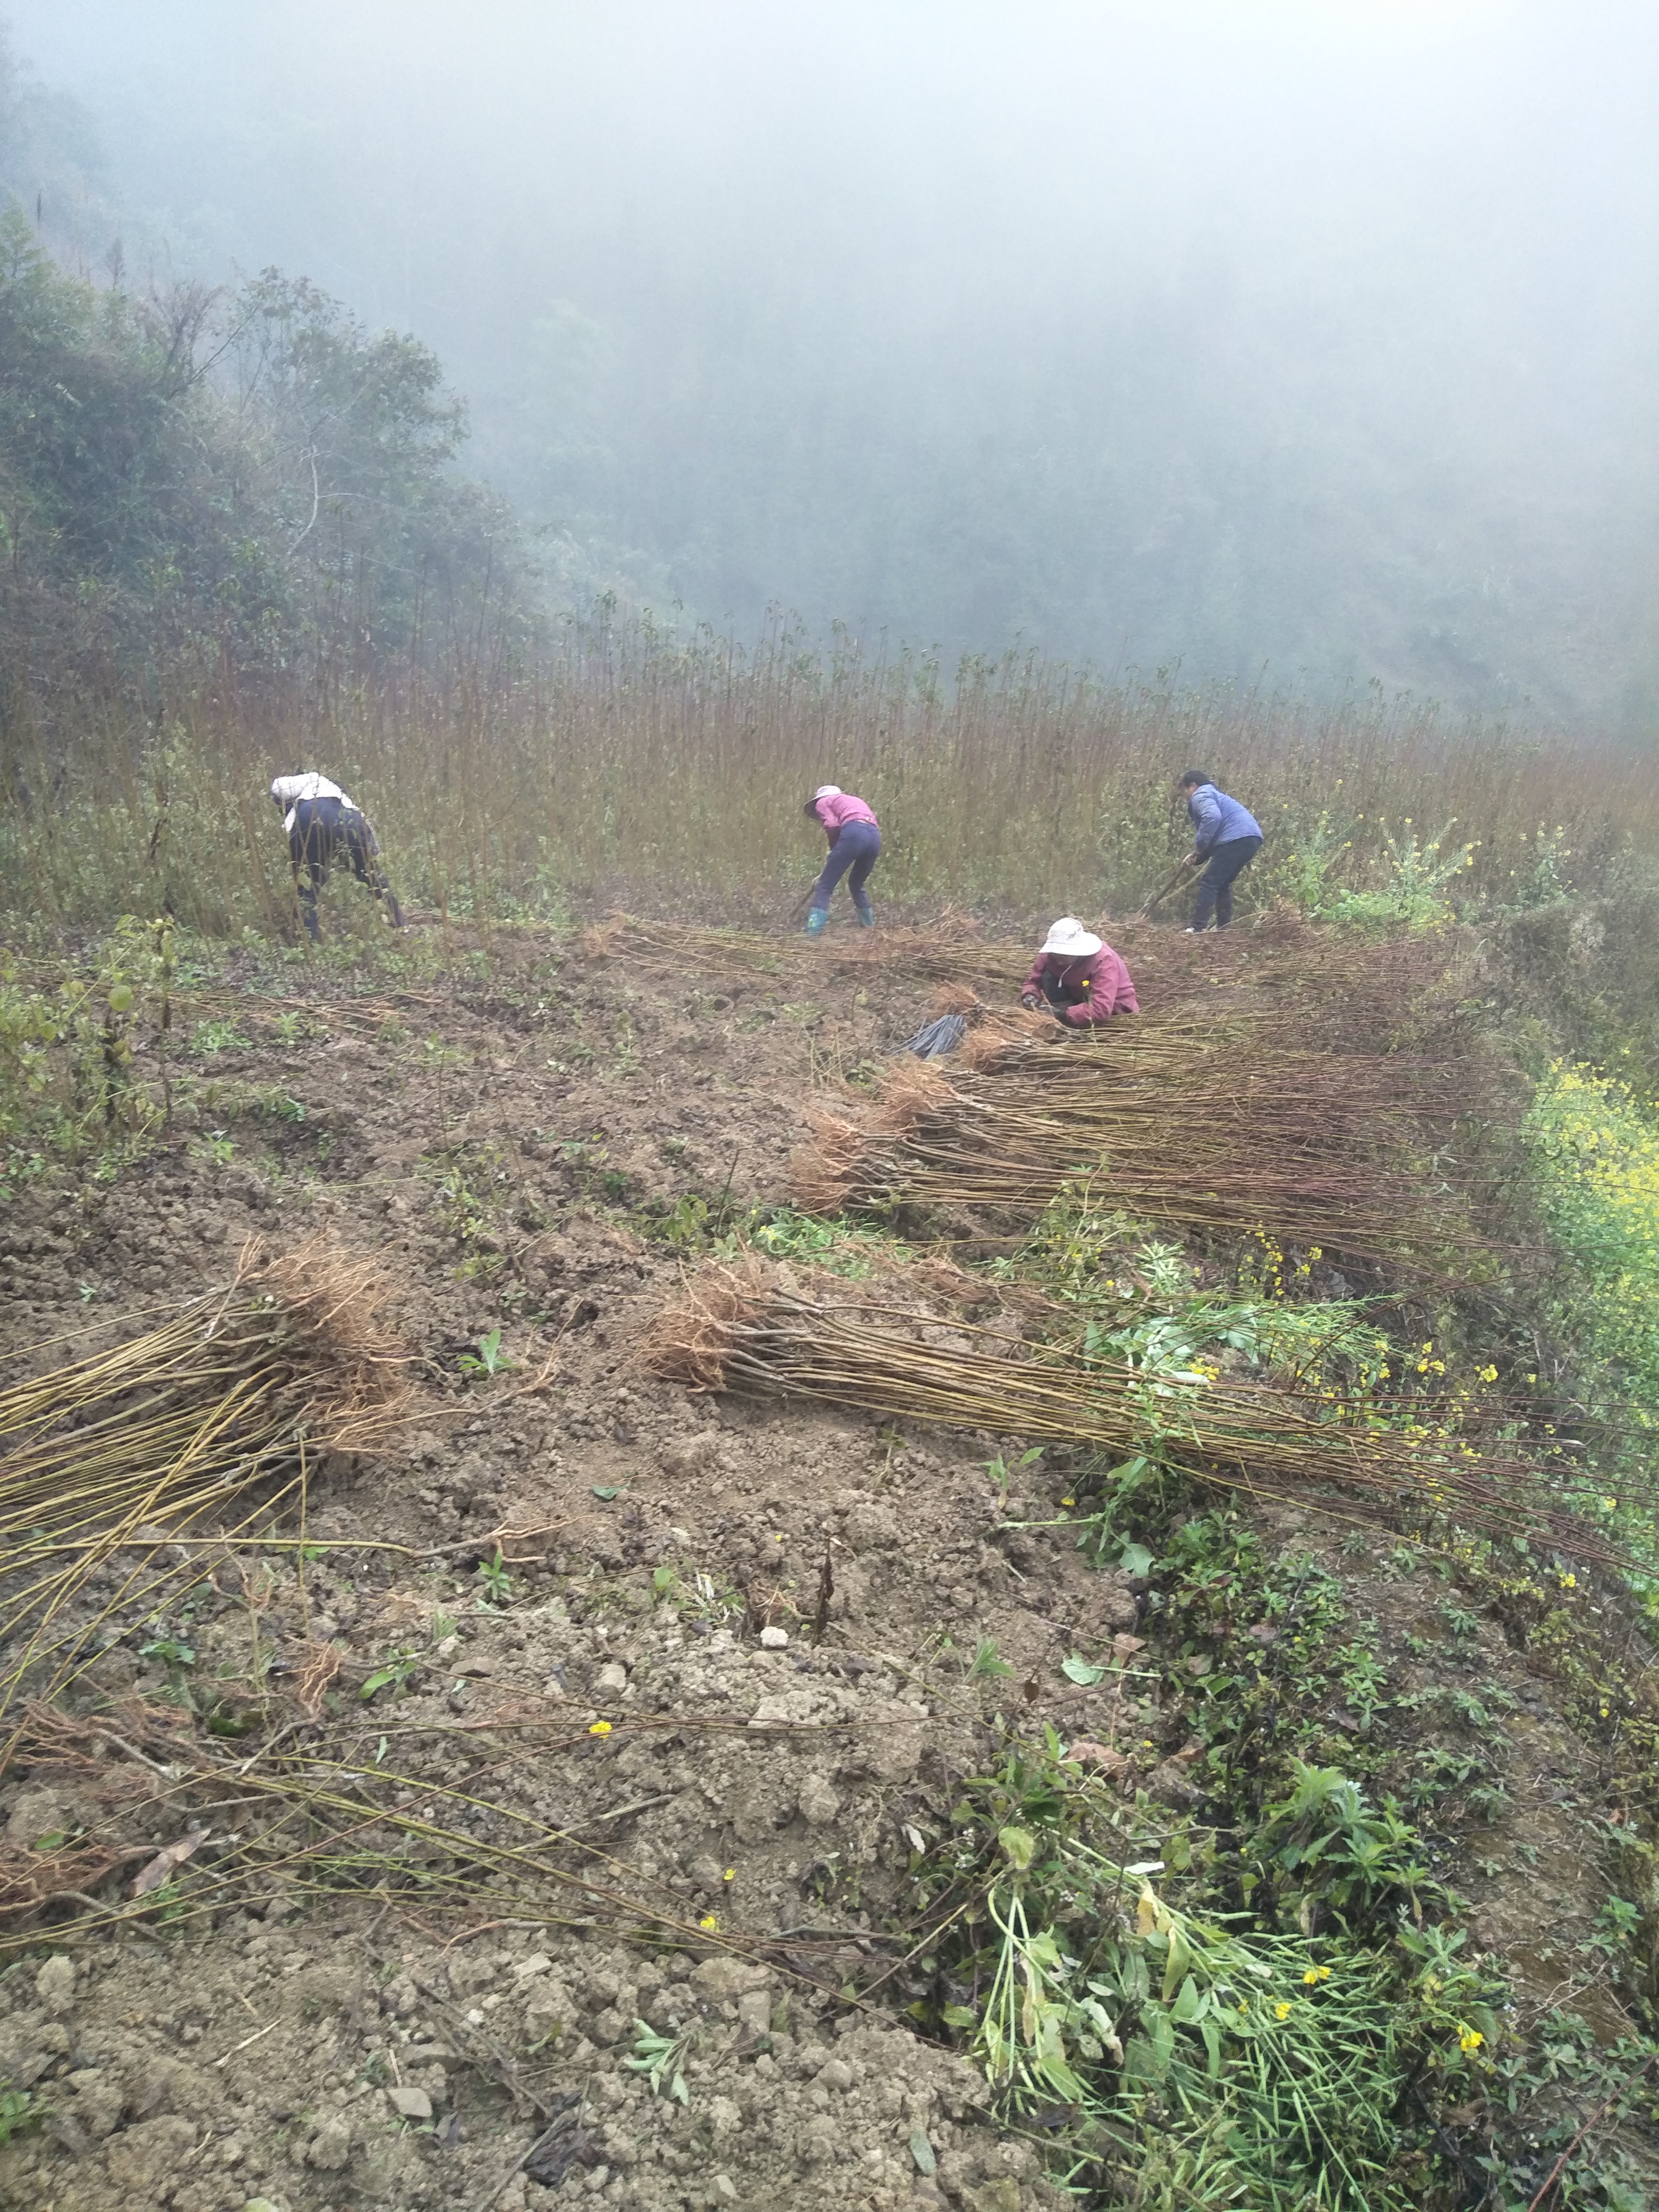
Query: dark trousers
(326,831)
(1215,885)
(1060,998)
(857,847)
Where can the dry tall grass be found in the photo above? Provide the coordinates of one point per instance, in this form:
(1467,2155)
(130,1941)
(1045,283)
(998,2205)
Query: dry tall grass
(626,759)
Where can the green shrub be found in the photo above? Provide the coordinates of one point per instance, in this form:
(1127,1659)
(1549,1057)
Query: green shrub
(68,1085)
(1595,1150)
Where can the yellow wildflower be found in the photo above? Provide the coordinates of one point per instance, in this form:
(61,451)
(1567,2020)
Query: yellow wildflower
(1469,2038)
(600,1728)
(1282,2011)
(710,1920)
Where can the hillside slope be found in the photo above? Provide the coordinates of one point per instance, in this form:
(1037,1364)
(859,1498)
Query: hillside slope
(603,1790)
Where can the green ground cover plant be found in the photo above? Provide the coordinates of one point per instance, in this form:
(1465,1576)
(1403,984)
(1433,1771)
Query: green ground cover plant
(1273,2003)
(1594,1148)
(70,1087)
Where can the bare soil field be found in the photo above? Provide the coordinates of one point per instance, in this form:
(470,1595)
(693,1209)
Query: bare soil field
(665,1700)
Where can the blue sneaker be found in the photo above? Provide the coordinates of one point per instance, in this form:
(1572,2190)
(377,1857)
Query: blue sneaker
(816,919)
(866,913)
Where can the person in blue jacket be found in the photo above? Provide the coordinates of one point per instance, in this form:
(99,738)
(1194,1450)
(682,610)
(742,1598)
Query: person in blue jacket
(1226,837)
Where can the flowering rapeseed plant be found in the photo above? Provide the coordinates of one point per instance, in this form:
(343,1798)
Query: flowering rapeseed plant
(1595,1150)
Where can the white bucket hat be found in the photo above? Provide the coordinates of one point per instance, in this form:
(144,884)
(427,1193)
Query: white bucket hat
(828,791)
(1069,936)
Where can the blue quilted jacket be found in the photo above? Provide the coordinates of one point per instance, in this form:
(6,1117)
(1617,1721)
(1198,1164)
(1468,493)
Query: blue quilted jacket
(1217,819)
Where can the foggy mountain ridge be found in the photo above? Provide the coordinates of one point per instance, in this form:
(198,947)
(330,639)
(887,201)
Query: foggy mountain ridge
(1327,351)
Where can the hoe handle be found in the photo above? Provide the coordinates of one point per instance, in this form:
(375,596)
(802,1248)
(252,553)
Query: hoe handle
(1158,896)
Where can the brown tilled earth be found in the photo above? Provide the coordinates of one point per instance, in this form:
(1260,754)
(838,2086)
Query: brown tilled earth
(492,1142)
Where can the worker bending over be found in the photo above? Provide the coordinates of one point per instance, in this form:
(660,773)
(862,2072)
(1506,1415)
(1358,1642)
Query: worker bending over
(1227,838)
(854,837)
(1080,977)
(323,825)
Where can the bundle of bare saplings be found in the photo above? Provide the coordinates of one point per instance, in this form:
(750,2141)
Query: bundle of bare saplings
(127,1471)
(1339,993)
(889,1346)
(1220,1126)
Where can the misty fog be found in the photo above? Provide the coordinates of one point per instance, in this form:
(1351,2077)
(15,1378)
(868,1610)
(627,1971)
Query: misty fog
(1321,340)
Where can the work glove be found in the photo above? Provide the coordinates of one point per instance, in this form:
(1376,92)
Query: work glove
(1030,1002)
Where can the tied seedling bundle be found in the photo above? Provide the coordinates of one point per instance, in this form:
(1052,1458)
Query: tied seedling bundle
(1312,986)
(1219,1127)
(745,1328)
(116,1466)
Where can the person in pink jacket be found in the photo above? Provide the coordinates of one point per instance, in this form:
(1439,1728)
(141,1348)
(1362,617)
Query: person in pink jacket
(854,837)
(1080,977)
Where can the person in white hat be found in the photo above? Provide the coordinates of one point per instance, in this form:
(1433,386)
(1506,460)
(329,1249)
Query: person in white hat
(323,825)
(854,837)
(1080,977)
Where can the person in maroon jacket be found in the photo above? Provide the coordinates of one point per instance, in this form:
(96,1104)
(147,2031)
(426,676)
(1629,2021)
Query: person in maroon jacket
(1080,977)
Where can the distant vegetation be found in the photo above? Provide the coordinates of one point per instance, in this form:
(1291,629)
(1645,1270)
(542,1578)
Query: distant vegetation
(241,489)
(1114,388)
(235,542)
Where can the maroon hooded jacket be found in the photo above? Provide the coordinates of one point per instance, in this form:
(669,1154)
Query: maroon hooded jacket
(1094,987)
